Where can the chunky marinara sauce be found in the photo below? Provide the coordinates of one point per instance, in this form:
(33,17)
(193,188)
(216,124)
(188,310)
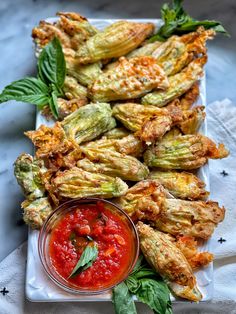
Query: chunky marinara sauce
(75,230)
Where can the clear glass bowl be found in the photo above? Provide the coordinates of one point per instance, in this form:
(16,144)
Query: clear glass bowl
(44,239)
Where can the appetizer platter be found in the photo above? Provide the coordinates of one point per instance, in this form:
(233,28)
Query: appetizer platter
(117,192)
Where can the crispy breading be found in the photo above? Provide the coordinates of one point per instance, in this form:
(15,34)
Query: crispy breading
(127,145)
(50,140)
(168,260)
(36,212)
(188,98)
(54,148)
(149,122)
(182,185)
(76,182)
(114,164)
(114,41)
(192,120)
(117,133)
(180,83)
(188,246)
(183,152)
(66,107)
(28,172)
(71,29)
(130,79)
(88,122)
(191,218)
(143,201)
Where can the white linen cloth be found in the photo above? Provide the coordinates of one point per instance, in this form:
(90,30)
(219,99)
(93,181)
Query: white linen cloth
(221,117)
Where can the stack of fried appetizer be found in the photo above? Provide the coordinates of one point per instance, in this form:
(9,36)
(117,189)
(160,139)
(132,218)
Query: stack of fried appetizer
(128,132)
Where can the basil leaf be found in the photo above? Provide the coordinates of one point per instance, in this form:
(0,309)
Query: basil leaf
(155,294)
(177,21)
(133,284)
(53,104)
(86,260)
(122,300)
(51,64)
(29,89)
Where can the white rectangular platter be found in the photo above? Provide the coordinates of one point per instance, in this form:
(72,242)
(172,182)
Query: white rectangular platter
(39,288)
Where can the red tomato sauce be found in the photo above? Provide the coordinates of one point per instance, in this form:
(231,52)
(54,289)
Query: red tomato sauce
(113,237)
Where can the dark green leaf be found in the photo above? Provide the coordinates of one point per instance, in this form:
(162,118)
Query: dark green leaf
(133,284)
(51,64)
(155,294)
(53,104)
(177,21)
(29,89)
(122,300)
(86,260)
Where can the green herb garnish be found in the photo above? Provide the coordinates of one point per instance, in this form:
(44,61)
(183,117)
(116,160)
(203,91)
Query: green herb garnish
(86,260)
(47,87)
(177,21)
(147,286)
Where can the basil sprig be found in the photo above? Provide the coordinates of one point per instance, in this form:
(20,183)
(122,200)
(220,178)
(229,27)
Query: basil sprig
(177,21)
(147,286)
(47,87)
(86,260)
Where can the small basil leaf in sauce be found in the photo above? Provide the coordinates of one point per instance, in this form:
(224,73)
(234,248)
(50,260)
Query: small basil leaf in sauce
(86,260)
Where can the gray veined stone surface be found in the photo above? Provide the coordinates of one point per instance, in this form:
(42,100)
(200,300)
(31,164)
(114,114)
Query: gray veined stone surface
(17,17)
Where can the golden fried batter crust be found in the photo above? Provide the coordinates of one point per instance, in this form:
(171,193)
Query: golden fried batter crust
(188,246)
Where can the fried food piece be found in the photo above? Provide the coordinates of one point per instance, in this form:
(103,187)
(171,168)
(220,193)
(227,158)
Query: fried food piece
(188,246)
(191,218)
(196,41)
(28,172)
(188,98)
(116,133)
(84,74)
(71,29)
(128,145)
(149,122)
(172,55)
(129,79)
(183,152)
(182,185)
(65,107)
(167,259)
(76,183)
(114,41)
(114,164)
(50,141)
(36,211)
(180,83)
(73,90)
(88,122)
(54,148)
(177,52)
(192,120)
(145,50)
(143,201)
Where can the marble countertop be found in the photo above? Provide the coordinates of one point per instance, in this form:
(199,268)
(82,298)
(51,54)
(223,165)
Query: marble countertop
(17,17)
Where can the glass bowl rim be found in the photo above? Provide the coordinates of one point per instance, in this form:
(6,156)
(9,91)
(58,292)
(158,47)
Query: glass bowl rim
(71,289)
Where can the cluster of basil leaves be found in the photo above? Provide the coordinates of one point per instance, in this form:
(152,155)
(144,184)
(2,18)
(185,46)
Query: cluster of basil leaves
(178,22)
(147,286)
(47,87)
